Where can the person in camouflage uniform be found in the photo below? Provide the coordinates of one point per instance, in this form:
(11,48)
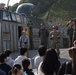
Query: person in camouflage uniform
(43,34)
(55,39)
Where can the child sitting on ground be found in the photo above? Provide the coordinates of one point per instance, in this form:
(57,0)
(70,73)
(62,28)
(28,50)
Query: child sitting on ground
(26,67)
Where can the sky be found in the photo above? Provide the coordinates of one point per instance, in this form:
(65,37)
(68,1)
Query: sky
(11,2)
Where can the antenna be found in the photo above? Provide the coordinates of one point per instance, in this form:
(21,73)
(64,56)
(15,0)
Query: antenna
(8,4)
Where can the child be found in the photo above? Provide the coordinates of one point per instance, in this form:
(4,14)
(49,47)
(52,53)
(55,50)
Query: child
(26,67)
(17,70)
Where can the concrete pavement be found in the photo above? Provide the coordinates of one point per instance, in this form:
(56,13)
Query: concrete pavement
(32,53)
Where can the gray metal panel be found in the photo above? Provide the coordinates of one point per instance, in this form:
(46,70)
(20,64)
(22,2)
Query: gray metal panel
(0,37)
(3,30)
(15,36)
(7,30)
(4,26)
(8,44)
(35,37)
(20,25)
(6,35)
(4,45)
(7,26)
(11,32)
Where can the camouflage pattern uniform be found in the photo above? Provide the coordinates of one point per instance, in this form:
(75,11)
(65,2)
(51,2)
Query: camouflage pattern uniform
(55,40)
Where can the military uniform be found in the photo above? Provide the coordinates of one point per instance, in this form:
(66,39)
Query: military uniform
(55,40)
(43,34)
(70,33)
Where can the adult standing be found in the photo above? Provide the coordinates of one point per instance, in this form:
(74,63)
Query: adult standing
(66,40)
(74,31)
(68,67)
(50,64)
(43,34)
(55,39)
(70,32)
(23,40)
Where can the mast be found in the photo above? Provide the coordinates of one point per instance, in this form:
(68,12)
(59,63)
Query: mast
(8,4)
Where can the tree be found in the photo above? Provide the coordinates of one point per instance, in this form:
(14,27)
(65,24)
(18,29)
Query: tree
(13,8)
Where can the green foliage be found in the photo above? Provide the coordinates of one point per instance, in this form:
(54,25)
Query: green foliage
(23,1)
(62,9)
(13,8)
(50,9)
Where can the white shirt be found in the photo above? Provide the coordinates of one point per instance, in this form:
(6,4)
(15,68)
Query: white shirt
(19,60)
(39,70)
(37,61)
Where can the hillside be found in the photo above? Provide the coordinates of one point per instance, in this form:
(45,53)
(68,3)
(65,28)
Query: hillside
(63,10)
(52,10)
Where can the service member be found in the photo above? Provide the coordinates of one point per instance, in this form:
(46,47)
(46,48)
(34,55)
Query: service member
(43,34)
(55,39)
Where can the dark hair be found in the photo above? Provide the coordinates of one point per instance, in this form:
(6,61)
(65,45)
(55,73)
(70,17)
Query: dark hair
(42,24)
(75,21)
(50,62)
(25,63)
(23,51)
(2,57)
(70,52)
(41,50)
(15,68)
(74,42)
(7,52)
